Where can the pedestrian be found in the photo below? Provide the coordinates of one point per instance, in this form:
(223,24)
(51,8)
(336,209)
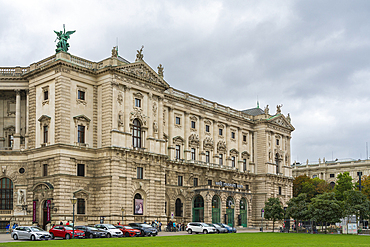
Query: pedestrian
(174,226)
(14,226)
(67,223)
(7,227)
(119,223)
(61,223)
(160,226)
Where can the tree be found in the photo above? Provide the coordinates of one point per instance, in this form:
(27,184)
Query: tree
(298,184)
(326,208)
(365,182)
(298,208)
(356,203)
(344,183)
(311,187)
(321,186)
(274,210)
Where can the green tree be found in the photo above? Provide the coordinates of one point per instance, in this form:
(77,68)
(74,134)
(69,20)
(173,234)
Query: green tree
(298,184)
(356,203)
(344,183)
(321,186)
(311,187)
(298,208)
(326,208)
(365,182)
(274,210)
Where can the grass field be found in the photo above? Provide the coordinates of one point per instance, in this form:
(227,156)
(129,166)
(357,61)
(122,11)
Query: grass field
(240,239)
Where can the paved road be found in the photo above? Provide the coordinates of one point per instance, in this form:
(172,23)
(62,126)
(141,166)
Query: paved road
(6,237)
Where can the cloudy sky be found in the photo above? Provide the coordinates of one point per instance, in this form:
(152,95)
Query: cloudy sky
(311,56)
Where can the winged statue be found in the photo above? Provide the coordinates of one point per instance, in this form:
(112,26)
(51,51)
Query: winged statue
(62,38)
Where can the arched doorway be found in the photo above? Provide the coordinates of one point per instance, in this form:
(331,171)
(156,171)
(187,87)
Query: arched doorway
(216,209)
(332,185)
(45,213)
(198,209)
(243,212)
(178,208)
(230,211)
(138,204)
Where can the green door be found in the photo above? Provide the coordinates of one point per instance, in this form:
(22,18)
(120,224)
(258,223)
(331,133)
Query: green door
(230,216)
(198,209)
(216,209)
(243,212)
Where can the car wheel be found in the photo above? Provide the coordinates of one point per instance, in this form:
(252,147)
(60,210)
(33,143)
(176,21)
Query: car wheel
(218,231)
(15,237)
(52,235)
(68,236)
(109,236)
(190,231)
(205,232)
(127,234)
(90,235)
(33,238)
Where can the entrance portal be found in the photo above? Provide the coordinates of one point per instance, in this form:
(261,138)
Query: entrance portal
(198,209)
(243,212)
(45,214)
(216,210)
(230,211)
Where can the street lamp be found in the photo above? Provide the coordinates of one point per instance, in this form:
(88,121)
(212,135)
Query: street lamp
(123,211)
(73,201)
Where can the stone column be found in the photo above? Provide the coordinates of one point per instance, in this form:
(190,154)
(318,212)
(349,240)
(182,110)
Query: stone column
(215,140)
(17,135)
(227,141)
(186,137)
(127,102)
(201,137)
(160,118)
(240,146)
(170,132)
(151,116)
(27,119)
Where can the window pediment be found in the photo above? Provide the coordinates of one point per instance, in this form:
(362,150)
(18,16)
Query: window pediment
(82,120)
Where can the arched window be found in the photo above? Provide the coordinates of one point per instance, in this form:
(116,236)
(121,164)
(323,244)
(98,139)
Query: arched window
(138,205)
(198,202)
(178,208)
(6,194)
(136,134)
(332,185)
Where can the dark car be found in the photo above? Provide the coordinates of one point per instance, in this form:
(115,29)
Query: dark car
(92,232)
(145,229)
(229,228)
(128,231)
(65,232)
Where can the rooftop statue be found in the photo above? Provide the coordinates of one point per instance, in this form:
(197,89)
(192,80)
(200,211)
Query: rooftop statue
(139,55)
(278,109)
(63,36)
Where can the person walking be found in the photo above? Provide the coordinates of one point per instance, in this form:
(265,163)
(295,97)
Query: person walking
(67,223)
(160,226)
(7,228)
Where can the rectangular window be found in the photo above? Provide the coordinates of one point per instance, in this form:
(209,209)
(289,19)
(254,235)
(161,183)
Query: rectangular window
(192,124)
(81,134)
(220,132)
(195,182)
(45,170)
(232,135)
(178,120)
(80,206)
(165,178)
(314,176)
(46,95)
(210,182)
(244,138)
(46,131)
(193,154)
(207,128)
(277,141)
(81,170)
(207,156)
(331,175)
(137,102)
(177,151)
(244,164)
(247,186)
(232,161)
(220,159)
(81,95)
(279,190)
(139,172)
(179,180)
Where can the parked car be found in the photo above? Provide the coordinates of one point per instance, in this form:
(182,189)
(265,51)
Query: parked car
(65,232)
(111,230)
(92,232)
(199,227)
(30,232)
(128,231)
(229,228)
(220,229)
(145,229)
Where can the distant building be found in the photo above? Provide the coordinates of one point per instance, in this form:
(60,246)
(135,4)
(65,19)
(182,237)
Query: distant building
(117,137)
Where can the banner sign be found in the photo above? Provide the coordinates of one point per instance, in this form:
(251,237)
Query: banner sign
(34,212)
(223,184)
(139,206)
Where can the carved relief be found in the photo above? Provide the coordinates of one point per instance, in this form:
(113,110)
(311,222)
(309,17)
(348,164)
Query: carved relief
(155,126)
(221,147)
(21,197)
(120,98)
(234,152)
(193,140)
(120,119)
(208,143)
(178,140)
(155,107)
(208,122)
(138,113)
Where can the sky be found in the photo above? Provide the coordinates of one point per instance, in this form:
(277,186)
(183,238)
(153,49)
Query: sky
(311,56)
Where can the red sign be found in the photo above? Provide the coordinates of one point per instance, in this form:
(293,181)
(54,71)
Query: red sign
(34,212)
(48,218)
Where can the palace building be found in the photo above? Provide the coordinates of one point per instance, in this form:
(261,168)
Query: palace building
(117,137)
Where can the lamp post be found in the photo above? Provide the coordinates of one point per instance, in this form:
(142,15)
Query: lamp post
(123,211)
(73,201)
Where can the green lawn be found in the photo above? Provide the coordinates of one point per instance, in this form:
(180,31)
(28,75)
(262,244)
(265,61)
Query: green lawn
(200,240)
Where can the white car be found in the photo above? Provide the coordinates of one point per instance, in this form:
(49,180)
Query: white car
(111,230)
(199,227)
(30,232)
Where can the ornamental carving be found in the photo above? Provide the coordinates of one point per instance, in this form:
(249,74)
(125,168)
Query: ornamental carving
(138,95)
(155,126)
(221,147)
(138,113)
(155,107)
(44,120)
(221,126)
(208,122)
(120,119)
(178,140)
(82,120)
(141,72)
(120,98)
(194,140)
(194,118)
(208,143)
(234,152)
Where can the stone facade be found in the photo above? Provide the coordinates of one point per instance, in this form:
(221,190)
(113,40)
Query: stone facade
(329,170)
(114,135)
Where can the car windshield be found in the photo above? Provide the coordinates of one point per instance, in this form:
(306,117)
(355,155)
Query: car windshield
(111,227)
(128,227)
(92,228)
(68,228)
(145,225)
(204,224)
(37,229)
(119,227)
(225,225)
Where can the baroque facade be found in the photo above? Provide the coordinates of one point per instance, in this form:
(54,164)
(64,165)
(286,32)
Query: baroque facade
(117,137)
(329,170)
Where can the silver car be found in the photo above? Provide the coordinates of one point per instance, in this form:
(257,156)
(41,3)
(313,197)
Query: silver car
(219,229)
(30,232)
